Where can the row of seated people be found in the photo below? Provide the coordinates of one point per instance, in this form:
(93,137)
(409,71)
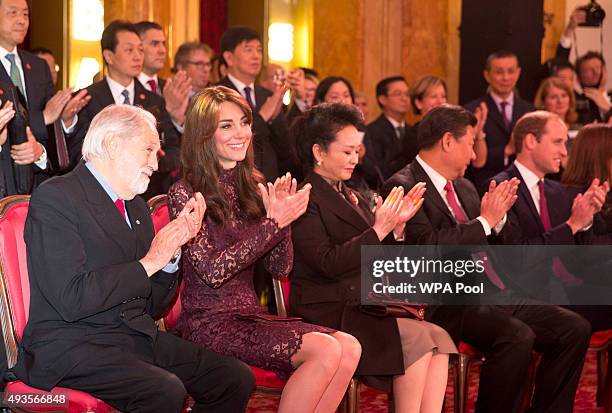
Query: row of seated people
(98,276)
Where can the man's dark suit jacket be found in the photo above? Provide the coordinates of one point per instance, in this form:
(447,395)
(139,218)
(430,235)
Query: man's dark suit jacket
(497,137)
(434,224)
(524,219)
(86,284)
(383,146)
(325,284)
(101,97)
(39,88)
(7,165)
(274,155)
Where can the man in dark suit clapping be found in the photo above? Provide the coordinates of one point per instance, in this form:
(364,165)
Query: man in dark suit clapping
(123,56)
(453,214)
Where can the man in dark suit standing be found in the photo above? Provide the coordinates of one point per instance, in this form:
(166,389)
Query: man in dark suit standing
(99,277)
(505,107)
(122,52)
(30,75)
(453,214)
(242,51)
(385,137)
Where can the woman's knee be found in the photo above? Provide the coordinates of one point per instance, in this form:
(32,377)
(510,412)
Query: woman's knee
(351,348)
(320,348)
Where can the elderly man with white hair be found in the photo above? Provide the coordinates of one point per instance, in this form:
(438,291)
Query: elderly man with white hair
(99,277)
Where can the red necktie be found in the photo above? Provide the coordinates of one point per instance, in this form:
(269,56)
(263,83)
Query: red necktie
(454,205)
(153,85)
(121,207)
(462,219)
(557,265)
(504,105)
(63,159)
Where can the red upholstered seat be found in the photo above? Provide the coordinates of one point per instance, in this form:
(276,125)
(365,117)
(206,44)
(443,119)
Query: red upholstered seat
(601,339)
(15,301)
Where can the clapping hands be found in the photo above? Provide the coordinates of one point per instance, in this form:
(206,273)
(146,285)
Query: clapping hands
(177,233)
(282,201)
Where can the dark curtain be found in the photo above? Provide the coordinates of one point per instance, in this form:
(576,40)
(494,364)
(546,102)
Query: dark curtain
(213,22)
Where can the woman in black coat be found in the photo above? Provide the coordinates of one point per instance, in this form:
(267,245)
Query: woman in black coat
(409,354)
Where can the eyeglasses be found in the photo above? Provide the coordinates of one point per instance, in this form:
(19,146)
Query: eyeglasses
(398,94)
(199,64)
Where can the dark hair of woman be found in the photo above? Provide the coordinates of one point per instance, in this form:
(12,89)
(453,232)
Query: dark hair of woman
(590,157)
(319,126)
(199,160)
(325,84)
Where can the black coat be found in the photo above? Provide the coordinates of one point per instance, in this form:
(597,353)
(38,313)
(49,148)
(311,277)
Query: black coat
(39,88)
(86,284)
(325,285)
(497,136)
(384,148)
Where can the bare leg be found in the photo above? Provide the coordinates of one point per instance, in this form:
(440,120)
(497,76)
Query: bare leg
(351,353)
(435,384)
(317,361)
(408,388)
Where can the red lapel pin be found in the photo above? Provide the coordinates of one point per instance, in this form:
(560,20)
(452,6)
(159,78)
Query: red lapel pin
(141,96)
(1,92)
(28,66)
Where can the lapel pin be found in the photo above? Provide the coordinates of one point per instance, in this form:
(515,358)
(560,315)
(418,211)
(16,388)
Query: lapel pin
(141,96)
(1,92)
(137,222)
(28,66)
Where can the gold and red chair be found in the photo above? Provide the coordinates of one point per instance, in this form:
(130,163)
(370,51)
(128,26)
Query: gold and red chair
(14,304)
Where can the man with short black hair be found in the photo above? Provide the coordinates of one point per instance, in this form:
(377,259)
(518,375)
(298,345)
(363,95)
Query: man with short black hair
(505,107)
(453,214)
(241,49)
(386,137)
(123,56)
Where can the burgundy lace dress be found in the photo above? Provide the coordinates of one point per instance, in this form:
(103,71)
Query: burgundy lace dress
(218,296)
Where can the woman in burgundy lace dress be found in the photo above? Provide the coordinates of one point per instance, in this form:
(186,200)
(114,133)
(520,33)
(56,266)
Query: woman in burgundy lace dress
(244,224)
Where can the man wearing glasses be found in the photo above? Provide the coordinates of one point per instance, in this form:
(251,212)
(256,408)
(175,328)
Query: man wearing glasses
(384,139)
(194,59)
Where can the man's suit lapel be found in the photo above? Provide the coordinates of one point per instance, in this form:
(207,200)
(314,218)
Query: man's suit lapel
(106,213)
(26,65)
(468,197)
(140,95)
(432,196)
(5,77)
(334,202)
(525,196)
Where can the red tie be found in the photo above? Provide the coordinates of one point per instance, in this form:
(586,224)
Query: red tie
(153,85)
(557,265)
(121,207)
(454,205)
(504,105)
(462,219)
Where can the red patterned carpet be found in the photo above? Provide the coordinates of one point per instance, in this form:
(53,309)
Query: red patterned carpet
(373,401)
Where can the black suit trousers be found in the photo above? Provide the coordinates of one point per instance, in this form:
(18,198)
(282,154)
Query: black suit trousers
(132,381)
(507,335)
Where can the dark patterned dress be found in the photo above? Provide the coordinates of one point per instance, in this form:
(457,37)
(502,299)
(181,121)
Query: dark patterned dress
(218,297)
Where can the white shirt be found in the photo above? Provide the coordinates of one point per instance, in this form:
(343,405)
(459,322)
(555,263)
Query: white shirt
(509,107)
(240,86)
(396,125)
(440,182)
(144,79)
(7,64)
(531,181)
(117,88)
